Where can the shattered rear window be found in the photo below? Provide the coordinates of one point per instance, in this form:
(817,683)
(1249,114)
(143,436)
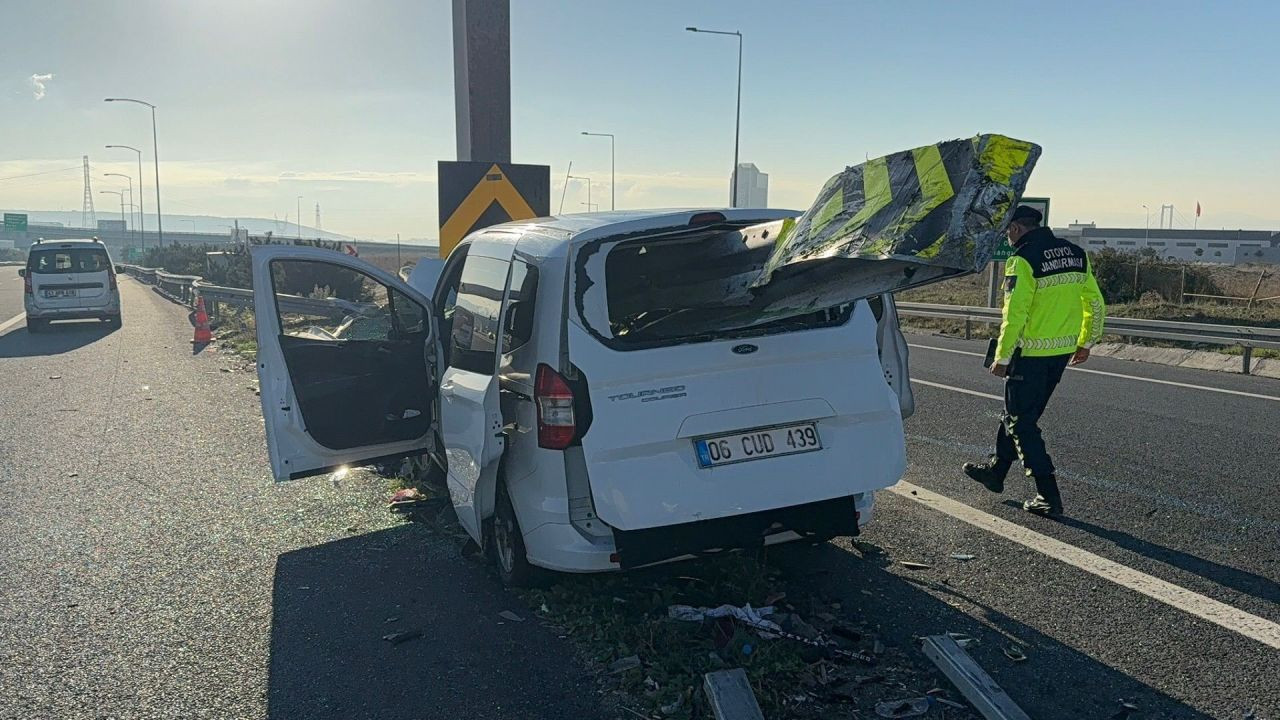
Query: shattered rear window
(669,291)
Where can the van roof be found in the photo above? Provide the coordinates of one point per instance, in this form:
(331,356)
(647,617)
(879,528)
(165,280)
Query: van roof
(543,236)
(77,242)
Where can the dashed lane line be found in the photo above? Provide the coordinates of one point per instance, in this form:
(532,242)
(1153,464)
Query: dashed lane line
(1205,608)
(1122,375)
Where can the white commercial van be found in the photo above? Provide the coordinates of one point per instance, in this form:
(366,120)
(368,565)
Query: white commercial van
(69,280)
(573,378)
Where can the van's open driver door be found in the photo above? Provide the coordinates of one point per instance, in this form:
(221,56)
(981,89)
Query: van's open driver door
(345,356)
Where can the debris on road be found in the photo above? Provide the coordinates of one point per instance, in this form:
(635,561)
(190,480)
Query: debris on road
(915,565)
(397,638)
(55,377)
(730,696)
(508,615)
(1126,709)
(408,499)
(755,617)
(1014,653)
(962,556)
(971,680)
(911,707)
(621,665)
(964,641)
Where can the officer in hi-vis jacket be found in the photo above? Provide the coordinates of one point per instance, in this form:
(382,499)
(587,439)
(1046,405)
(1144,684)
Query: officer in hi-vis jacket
(1053,314)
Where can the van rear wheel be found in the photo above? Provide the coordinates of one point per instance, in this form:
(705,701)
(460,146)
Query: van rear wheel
(34,326)
(508,544)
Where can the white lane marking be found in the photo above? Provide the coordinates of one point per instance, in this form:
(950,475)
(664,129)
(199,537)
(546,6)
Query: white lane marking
(957,389)
(1126,377)
(1206,608)
(11,322)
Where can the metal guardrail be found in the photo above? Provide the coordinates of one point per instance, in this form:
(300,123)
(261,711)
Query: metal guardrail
(1242,336)
(215,296)
(179,288)
(186,288)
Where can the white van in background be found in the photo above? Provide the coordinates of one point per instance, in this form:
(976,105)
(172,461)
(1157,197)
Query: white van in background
(69,280)
(563,373)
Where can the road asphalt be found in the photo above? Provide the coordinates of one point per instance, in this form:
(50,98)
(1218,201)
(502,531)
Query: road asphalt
(153,570)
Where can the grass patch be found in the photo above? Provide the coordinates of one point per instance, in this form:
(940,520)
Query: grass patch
(236,331)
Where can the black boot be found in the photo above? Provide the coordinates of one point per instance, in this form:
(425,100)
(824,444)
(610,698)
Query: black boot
(990,473)
(1047,502)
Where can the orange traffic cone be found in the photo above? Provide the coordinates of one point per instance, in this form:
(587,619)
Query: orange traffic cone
(203,333)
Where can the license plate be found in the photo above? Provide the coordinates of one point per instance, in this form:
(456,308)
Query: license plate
(59,293)
(757,444)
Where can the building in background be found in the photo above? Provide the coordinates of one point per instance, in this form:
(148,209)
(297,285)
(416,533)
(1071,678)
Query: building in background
(1228,247)
(753,187)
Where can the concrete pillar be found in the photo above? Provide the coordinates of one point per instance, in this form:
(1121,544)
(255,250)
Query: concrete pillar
(482,79)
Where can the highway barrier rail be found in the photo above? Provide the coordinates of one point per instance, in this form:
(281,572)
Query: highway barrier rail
(1245,337)
(186,288)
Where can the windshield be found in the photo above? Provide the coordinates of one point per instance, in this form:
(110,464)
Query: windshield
(56,261)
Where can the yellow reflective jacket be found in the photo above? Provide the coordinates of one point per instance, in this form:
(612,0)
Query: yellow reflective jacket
(1051,300)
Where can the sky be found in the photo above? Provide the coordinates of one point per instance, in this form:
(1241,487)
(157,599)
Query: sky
(351,105)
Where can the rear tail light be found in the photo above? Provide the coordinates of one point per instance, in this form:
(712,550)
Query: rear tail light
(26,283)
(706,218)
(554,399)
(114,287)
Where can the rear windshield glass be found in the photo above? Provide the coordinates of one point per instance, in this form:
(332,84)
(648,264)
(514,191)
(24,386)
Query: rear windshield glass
(67,260)
(669,291)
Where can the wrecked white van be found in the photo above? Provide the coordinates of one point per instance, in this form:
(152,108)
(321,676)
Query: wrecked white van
(587,406)
(612,390)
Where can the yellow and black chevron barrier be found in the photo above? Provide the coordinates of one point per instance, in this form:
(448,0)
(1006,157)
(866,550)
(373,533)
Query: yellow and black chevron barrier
(899,221)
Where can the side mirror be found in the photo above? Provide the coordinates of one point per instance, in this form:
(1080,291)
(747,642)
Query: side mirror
(119,269)
(22,272)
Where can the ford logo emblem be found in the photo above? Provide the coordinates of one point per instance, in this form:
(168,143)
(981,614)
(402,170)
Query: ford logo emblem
(744,349)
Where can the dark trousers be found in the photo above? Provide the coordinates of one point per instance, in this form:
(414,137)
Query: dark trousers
(1027,389)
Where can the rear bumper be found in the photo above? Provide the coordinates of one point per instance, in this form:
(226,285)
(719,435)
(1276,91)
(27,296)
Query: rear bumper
(817,521)
(36,312)
(562,548)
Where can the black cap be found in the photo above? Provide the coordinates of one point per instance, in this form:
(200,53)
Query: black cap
(1026,212)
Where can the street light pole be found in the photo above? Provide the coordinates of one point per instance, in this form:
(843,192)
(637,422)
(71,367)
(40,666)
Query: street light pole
(737,126)
(142,225)
(126,177)
(119,194)
(580,177)
(613,169)
(155,154)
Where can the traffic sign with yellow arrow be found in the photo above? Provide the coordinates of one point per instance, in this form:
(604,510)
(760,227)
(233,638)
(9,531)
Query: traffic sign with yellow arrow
(475,195)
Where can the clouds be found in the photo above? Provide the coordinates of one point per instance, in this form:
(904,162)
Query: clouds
(38,82)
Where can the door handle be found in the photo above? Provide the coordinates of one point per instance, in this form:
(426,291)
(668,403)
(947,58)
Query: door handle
(446,385)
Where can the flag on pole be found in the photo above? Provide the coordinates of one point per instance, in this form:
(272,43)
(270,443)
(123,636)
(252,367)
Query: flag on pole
(1197,208)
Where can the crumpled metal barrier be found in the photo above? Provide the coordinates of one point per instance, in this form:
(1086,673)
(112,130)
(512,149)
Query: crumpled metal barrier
(895,222)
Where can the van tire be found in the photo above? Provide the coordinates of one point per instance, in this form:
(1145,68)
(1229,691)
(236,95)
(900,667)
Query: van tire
(34,326)
(509,552)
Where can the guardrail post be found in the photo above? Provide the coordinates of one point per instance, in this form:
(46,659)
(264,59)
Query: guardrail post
(968,329)
(1248,357)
